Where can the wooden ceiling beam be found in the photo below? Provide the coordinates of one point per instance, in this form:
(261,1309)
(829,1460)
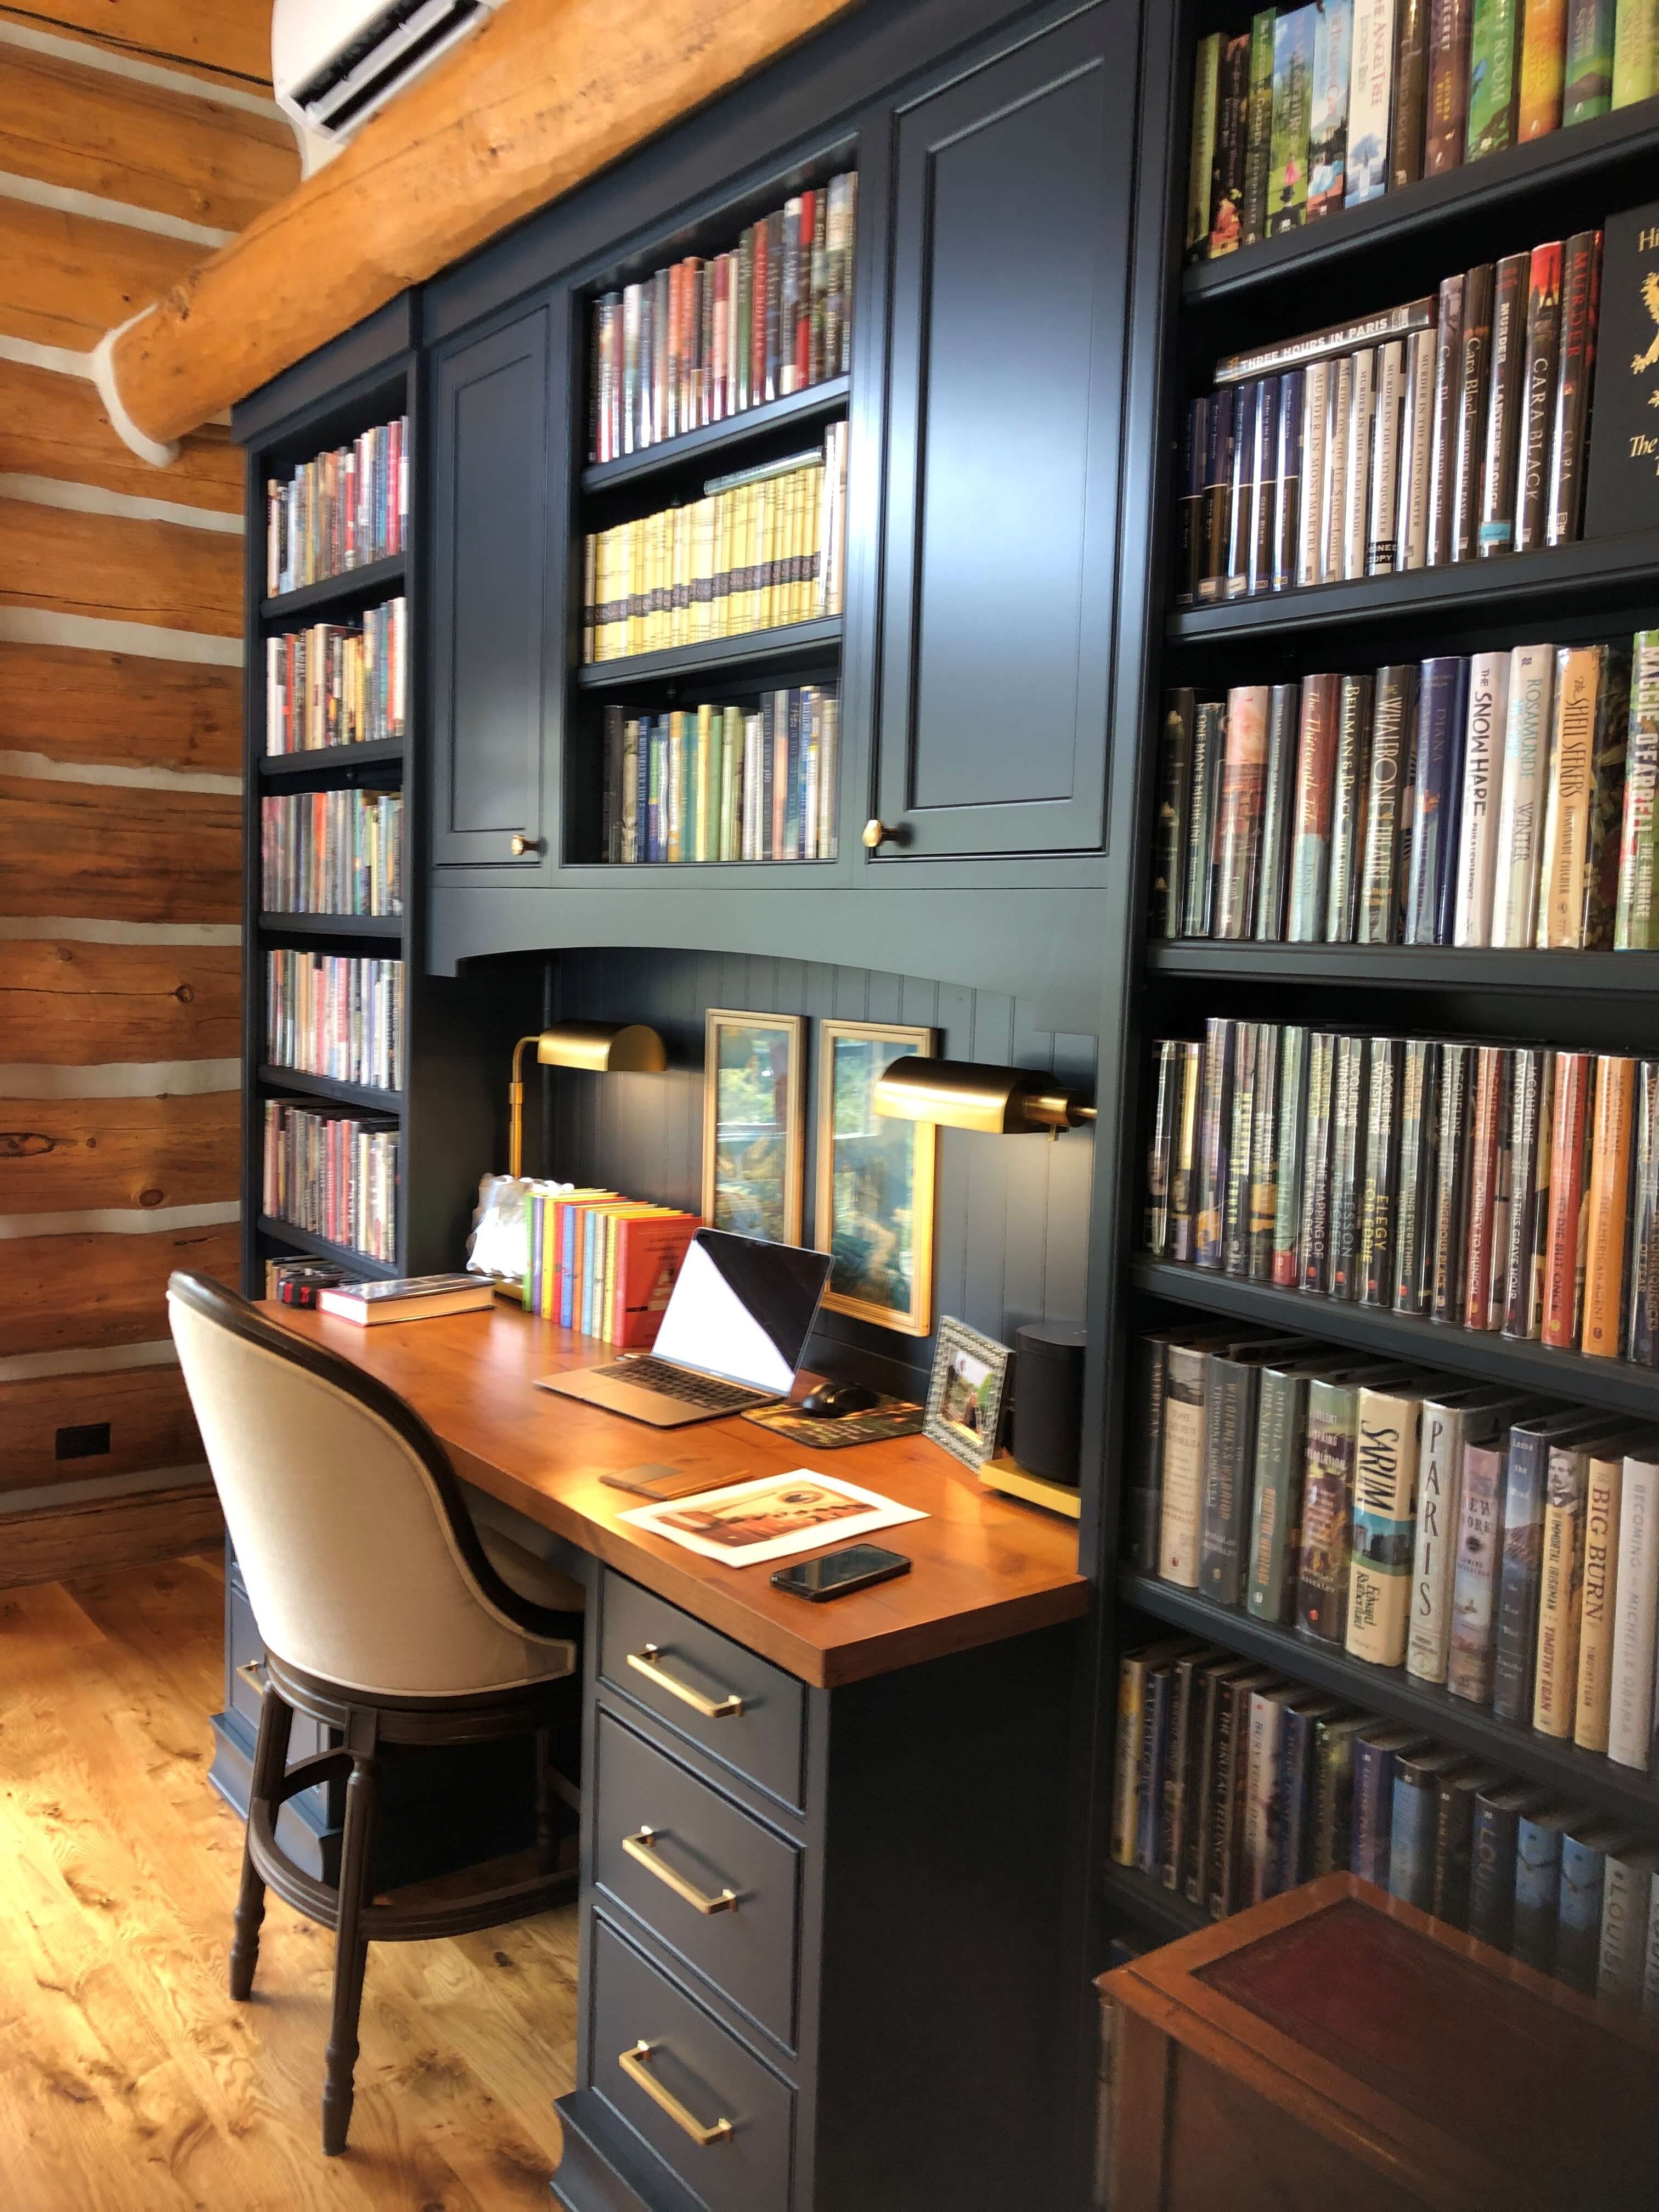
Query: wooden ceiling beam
(549,93)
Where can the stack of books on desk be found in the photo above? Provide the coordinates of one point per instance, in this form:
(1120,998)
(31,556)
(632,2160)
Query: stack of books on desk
(603,1264)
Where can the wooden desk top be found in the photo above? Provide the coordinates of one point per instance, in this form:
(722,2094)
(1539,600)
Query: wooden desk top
(984,1568)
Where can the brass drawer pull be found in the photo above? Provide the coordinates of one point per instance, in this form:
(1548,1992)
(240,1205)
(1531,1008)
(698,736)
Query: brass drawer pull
(251,1674)
(636,2064)
(641,1848)
(648,1662)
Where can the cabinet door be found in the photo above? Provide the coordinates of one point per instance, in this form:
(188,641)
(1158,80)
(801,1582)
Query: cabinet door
(494,627)
(1011,216)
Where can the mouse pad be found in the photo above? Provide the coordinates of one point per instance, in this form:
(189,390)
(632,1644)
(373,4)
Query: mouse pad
(893,1417)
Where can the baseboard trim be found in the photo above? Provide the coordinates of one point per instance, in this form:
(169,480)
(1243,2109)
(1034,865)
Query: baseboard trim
(56,1543)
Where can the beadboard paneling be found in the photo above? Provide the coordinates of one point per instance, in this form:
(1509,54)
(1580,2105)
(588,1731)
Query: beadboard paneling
(1011,1213)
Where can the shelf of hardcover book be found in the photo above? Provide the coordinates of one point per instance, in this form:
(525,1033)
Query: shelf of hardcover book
(1436,461)
(1240,1775)
(1321,135)
(339,517)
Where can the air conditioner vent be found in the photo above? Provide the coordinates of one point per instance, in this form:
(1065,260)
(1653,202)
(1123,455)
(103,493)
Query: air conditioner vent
(389,45)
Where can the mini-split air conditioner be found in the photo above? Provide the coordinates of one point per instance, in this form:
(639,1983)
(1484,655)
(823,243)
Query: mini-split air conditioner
(335,62)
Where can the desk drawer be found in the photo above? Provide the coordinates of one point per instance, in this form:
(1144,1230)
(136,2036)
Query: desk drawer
(749,1950)
(661,1656)
(705,2072)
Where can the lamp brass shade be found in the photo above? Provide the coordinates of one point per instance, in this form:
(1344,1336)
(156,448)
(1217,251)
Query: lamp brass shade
(603,1048)
(961,1094)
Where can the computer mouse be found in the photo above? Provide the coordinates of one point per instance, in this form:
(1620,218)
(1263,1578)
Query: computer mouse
(833,1402)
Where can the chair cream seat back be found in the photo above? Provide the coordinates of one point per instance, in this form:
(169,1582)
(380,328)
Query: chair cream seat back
(361,1563)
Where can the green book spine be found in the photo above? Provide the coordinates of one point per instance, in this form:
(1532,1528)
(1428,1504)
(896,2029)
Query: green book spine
(1636,921)
(1276,1508)
(1322,1595)
(1494,75)
(1206,87)
(1258,143)
(1589,60)
(1635,53)
(1287,168)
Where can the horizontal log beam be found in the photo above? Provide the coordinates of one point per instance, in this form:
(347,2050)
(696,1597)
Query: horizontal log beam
(228,40)
(59,1293)
(168,575)
(64,278)
(546,95)
(65,1002)
(75,703)
(119,855)
(76,1155)
(148,1410)
(54,425)
(97,1536)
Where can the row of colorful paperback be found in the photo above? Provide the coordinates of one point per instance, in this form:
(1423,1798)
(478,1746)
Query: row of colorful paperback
(762,547)
(1467,1533)
(1505,799)
(332,852)
(1234,1783)
(1509,1189)
(334,1174)
(723,783)
(338,683)
(339,512)
(602,1264)
(702,340)
(335,1016)
(1451,429)
(1320,107)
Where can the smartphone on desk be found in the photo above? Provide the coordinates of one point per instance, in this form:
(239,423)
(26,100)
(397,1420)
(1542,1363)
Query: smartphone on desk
(833,1574)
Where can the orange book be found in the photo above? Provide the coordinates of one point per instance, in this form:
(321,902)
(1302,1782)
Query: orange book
(1564,1257)
(650,1250)
(1608,1212)
(559,1274)
(1543,67)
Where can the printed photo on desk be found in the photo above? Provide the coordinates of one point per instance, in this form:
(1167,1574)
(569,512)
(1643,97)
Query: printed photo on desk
(874,1201)
(753,1123)
(772,1518)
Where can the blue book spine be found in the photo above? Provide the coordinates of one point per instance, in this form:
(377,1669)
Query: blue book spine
(1373,1810)
(1451,811)
(533,1274)
(1439,737)
(1295,1789)
(1492,1874)
(793,810)
(566,1264)
(1410,1841)
(1291,490)
(1155,1744)
(1578,1914)
(1515,1607)
(1537,1893)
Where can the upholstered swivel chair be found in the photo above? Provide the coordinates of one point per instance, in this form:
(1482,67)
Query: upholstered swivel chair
(388,1615)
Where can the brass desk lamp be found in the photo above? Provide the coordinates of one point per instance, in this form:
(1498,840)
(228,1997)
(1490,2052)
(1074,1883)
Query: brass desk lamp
(601,1048)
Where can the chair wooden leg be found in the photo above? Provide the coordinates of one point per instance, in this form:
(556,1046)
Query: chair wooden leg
(269,1765)
(351,1950)
(546,1860)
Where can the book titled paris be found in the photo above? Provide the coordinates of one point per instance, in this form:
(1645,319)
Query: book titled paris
(1622,495)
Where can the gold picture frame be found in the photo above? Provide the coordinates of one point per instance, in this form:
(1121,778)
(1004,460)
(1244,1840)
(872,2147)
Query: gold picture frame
(754,1160)
(867,1161)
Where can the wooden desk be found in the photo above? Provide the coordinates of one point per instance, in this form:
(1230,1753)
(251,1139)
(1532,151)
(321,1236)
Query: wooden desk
(983,1568)
(882,1784)
(1337,2047)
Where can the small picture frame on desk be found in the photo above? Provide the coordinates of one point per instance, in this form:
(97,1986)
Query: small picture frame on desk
(753,1150)
(965,1395)
(874,1210)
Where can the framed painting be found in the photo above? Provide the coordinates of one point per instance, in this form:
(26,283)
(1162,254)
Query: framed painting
(874,1210)
(754,1132)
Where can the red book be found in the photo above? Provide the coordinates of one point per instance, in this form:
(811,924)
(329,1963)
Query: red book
(757,391)
(650,1251)
(803,295)
(722,346)
(1581,293)
(1564,1258)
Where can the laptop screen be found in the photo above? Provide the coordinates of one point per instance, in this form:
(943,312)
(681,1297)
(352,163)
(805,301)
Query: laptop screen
(743,1310)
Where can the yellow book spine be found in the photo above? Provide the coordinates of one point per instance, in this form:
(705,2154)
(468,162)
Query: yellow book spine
(1603,1489)
(1555,1681)
(705,764)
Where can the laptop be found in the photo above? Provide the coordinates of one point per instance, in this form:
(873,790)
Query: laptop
(733,1335)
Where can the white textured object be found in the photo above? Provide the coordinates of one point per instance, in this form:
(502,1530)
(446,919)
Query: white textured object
(335,62)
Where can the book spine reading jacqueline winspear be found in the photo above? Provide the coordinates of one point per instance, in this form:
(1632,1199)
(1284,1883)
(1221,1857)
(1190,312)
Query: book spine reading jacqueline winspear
(1234,1783)
(1511,1191)
(341,511)
(1504,799)
(332,852)
(762,547)
(338,683)
(723,783)
(702,340)
(336,1016)
(333,1173)
(1315,108)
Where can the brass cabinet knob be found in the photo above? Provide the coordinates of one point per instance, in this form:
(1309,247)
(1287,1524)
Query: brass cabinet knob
(876,833)
(519,845)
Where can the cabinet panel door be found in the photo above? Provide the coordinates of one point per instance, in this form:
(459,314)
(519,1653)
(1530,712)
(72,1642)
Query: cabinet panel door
(1011,238)
(490,595)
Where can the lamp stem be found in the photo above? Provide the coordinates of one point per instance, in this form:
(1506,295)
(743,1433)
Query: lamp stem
(515,1111)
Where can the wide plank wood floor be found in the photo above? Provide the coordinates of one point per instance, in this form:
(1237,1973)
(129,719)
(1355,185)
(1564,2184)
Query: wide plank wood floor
(128,2081)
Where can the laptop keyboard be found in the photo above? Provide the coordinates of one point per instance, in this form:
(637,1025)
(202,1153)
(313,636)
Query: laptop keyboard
(675,1382)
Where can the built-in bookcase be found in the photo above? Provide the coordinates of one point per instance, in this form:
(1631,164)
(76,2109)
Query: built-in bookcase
(1393,249)
(736,671)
